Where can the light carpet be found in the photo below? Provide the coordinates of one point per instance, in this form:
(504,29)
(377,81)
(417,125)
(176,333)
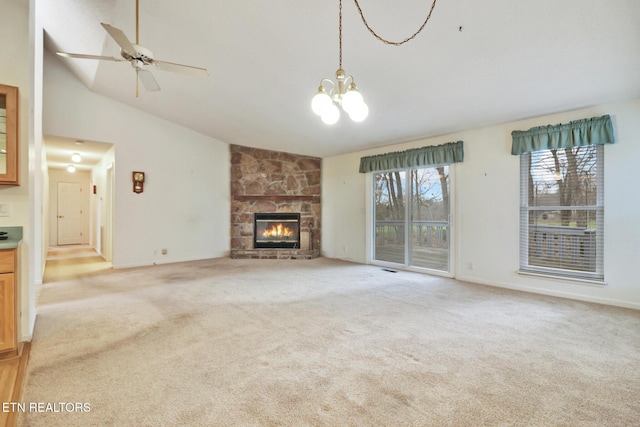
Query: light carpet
(227,342)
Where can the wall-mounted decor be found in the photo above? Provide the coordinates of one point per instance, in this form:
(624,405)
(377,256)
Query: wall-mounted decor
(138,182)
(9,147)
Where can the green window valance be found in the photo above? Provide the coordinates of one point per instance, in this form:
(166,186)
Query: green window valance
(596,130)
(451,152)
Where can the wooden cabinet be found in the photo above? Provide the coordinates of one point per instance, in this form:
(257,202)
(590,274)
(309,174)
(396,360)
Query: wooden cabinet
(9,146)
(8,324)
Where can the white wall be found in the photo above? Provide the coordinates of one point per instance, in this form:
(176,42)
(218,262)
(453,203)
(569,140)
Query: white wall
(185,206)
(487,208)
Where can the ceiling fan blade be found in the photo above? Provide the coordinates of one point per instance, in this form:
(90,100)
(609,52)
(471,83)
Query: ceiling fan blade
(182,69)
(120,38)
(83,56)
(148,81)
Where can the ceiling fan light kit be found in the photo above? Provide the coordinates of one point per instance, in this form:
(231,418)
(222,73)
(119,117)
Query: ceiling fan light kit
(140,58)
(345,93)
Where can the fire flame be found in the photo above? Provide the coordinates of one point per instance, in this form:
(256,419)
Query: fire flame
(277,231)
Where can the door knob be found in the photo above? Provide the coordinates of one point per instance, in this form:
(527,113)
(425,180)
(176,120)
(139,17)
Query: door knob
(60,216)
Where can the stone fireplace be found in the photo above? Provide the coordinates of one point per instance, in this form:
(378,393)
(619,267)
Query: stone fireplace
(271,191)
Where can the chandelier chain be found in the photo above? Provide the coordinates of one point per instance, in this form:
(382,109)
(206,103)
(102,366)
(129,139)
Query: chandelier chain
(340,33)
(383,40)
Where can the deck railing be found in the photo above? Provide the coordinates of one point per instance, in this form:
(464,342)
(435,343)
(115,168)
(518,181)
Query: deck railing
(433,234)
(562,247)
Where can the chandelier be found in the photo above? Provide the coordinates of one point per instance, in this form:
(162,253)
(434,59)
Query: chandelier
(343,94)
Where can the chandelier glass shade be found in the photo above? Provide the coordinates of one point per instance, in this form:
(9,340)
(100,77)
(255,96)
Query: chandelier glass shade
(344,94)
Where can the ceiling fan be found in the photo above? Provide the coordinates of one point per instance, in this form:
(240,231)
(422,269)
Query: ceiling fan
(140,58)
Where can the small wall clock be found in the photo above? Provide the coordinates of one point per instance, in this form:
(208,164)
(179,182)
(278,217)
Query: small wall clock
(138,182)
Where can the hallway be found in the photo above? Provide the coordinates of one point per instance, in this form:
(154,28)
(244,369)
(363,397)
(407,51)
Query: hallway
(72,262)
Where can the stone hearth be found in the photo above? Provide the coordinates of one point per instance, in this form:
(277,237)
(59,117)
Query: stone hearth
(264,181)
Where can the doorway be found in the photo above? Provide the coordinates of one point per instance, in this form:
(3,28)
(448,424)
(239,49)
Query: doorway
(88,184)
(412,212)
(106,230)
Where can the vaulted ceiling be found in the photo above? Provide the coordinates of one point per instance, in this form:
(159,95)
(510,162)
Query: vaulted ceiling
(476,63)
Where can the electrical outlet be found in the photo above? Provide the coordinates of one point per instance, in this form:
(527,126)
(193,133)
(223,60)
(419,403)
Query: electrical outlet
(5,209)
(164,251)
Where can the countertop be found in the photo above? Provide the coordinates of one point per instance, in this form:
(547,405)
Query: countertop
(15,237)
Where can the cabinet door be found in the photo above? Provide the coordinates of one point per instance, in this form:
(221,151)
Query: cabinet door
(7,317)
(9,160)
(7,261)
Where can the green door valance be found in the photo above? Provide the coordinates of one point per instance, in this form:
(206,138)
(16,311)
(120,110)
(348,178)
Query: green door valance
(451,152)
(596,130)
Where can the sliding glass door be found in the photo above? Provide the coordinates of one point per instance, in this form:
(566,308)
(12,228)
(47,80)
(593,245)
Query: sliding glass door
(411,211)
(391,216)
(429,219)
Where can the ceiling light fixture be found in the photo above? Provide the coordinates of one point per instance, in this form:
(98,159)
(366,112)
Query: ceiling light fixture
(344,93)
(76,157)
(71,168)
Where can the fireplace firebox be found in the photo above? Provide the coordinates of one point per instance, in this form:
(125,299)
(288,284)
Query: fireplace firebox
(276,230)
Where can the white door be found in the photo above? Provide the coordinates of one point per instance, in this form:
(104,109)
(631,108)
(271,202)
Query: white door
(69,213)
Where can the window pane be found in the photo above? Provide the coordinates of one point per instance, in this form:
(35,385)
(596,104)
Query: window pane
(390,217)
(430,218)
(565,177)
(563,239)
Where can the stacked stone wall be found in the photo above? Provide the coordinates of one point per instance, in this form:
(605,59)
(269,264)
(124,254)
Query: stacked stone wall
(264,181)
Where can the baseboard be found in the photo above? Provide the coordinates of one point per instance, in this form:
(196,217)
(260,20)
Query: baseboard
(157,262)
(559,294)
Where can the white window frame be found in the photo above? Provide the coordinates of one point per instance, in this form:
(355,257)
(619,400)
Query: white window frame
(589,277)
(371,223)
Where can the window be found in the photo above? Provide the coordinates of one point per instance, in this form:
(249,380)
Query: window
(562,197)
